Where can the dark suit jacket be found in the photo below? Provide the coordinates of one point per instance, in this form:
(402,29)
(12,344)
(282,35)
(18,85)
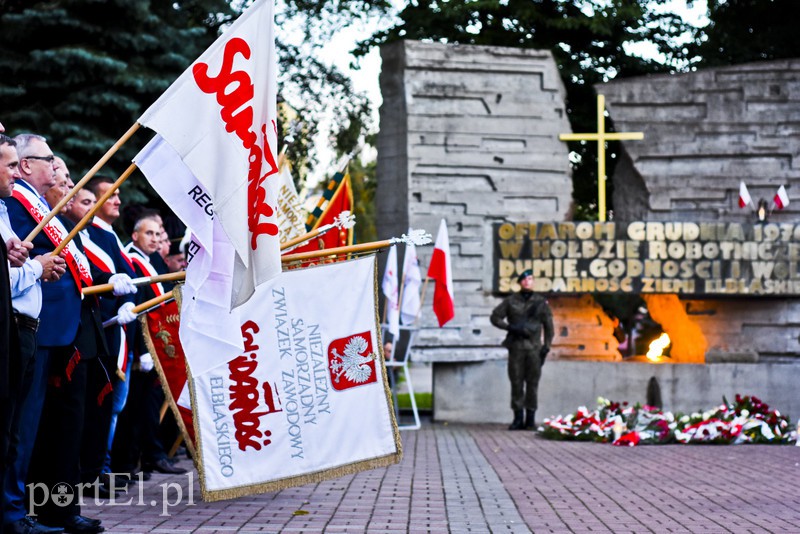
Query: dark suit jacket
(60,318)
(8,327)
(109,304)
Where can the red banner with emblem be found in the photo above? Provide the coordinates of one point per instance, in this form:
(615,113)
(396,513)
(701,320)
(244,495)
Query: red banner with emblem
(161,334)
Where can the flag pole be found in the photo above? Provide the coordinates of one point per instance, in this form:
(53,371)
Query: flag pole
(336,251)
(97,166)
(153,302)
(422,299)
(414,237)
(344,220)
(169,277)
(282,158)
(144,306)
(90,214)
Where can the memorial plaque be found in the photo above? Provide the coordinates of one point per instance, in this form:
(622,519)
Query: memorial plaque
(685,258)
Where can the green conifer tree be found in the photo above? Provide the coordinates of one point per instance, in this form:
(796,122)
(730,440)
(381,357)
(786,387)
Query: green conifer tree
(80,72)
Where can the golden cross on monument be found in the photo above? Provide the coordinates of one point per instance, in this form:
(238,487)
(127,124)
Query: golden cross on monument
(601,137)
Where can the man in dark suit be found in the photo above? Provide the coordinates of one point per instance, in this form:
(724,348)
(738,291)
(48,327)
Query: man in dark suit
(105,254)
(9,349)
(137,437)
(36,172)
(70,339)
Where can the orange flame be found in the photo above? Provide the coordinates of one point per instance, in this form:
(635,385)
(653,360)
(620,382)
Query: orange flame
(657,346)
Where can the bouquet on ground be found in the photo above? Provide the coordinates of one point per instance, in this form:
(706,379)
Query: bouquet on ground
(747,420)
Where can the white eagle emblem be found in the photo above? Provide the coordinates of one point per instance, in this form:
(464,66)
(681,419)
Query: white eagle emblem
(352,363)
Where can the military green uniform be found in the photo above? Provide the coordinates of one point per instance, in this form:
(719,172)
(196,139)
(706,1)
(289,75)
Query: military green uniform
(526,316)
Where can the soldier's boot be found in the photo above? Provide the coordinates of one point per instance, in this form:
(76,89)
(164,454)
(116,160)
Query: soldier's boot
(516,424)
(530,419)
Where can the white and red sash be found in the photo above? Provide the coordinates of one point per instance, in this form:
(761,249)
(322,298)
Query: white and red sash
(143,263)
(97,255)
(122,356)
(55,231)
(100,223)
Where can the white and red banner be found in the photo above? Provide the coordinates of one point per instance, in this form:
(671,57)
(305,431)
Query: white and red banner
(744,196)
(209,329)
(781,198)
(441,271)
(220,118)
(307,398)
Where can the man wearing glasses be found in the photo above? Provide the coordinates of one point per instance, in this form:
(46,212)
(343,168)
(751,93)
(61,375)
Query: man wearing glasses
(59,322)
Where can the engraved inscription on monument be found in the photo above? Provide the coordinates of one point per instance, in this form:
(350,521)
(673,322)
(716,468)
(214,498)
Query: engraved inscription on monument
(649,257)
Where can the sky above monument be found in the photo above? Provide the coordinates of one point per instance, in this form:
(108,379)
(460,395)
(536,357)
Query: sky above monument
(365,76)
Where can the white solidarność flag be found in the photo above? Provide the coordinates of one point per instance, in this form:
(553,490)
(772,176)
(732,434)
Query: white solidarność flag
(220,118)
(209,330)
(442,273)
(412,281)
(391,291)
(307,398)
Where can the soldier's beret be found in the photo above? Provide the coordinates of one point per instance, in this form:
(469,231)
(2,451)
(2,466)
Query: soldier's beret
(524,274)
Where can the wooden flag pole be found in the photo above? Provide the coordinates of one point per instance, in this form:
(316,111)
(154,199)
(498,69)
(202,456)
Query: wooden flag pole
(163,411)
(352,249)
(146,305)
(415,237)
(169,277)
(344,220)
(282,157)
(90,215)
(97,166)
(305,237)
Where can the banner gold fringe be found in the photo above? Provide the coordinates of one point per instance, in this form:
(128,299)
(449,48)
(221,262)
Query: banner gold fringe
(317,476)
(173,405)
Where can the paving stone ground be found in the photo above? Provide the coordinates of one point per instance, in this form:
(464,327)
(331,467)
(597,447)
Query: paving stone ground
(483,478)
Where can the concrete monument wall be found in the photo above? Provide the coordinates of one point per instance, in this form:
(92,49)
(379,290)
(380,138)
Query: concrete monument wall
(468,134)
(704,132)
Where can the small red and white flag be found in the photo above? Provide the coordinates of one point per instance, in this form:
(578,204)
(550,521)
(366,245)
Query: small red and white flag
(781,198)
(744,196)
(441,271)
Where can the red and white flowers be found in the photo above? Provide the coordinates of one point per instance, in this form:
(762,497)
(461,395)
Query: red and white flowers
(747,420)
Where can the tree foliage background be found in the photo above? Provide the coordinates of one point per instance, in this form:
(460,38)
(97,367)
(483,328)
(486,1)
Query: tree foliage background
(81,71)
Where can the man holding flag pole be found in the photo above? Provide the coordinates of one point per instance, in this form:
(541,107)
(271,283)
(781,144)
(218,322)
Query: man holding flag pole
(69,340)
(214,161)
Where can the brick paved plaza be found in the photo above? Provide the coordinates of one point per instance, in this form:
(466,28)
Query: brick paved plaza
(482,478)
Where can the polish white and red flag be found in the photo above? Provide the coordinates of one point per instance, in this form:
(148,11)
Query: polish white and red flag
(214,162)
(744,195)
(220,117)
(440,269)
(781,198)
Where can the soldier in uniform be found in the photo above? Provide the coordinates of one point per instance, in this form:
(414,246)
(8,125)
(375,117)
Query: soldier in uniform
(526,316)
